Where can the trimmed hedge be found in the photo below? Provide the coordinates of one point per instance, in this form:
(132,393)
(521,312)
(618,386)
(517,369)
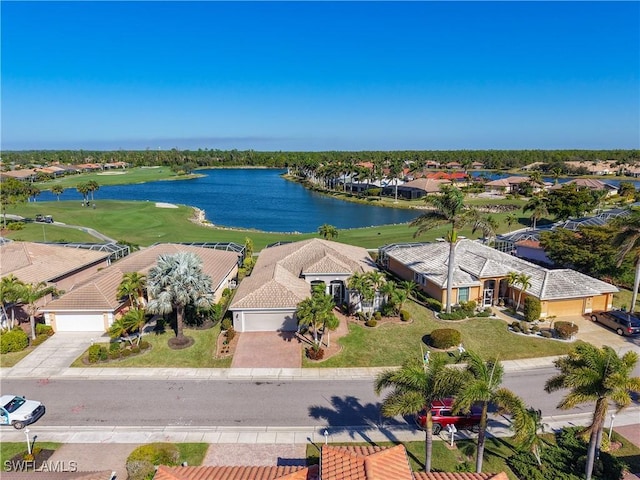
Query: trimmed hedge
(444,338)
(42,329)
(565,330)
(532,309)
(14,340)
(405,316)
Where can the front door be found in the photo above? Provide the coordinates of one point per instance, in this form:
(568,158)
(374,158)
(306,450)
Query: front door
(488,297)
(336,292)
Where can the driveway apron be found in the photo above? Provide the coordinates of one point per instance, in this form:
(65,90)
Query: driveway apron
(267,350)
(56,354)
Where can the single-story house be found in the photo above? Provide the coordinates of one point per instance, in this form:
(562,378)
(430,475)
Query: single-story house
(480,274)
(93,305)
(419,188)
(505,185)
(284,275)
(591,184)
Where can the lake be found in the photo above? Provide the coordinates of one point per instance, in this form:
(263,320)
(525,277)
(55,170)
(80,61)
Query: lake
(252,198)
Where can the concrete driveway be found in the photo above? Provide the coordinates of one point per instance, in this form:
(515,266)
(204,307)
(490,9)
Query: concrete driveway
(597,334)
(267,350)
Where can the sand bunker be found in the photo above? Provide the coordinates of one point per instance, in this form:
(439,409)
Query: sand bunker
(165,205)
(111,173)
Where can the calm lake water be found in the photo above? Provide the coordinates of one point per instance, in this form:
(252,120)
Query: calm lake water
(252,198)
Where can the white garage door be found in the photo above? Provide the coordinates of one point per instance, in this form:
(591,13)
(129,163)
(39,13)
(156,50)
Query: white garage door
(266,322)
(77,322)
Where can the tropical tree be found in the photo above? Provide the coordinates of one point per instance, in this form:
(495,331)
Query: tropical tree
(524,281)
(328,232)
(448,208)
(29,294)
(57,190)
(511,218)
(408,288)
(627,240)
(599,375)
(132,286)
(538,206)
(93,187)
(415,386)
(175,281)
(488,225)
(362,285)
(9,288)
(512,280)
(317,312)
(84,189)
(526,422)
(482,387)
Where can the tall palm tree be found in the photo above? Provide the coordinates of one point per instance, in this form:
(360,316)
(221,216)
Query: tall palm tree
(132,286)
(93,187)
(448,208)
(415,386)
(524,281)
(57,190)
(328,232)
(84,189)
(317,312)
(512,281)
(482,387)
(29,294)
(538,207)
(9,288)
(599,375)
(628,241)
(175,281)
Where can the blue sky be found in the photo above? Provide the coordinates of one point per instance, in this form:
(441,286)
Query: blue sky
(320,75)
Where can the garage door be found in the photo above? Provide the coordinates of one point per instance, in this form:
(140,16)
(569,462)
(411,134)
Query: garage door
(89,322)
(565,308)
(599,303)
(266,322)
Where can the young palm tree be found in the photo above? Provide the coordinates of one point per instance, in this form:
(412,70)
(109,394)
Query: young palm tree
(132,286)
(408,287)
(317,312)
(415,386)
(363,287)
(9,288)
(448,209)
(628,241)
(538,207)
(599,375)
(524,281)
(483,387)
(328,232)
(511,218)
(512,281)
(178,280)
(29,294)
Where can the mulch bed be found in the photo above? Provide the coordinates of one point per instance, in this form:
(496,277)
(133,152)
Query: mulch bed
(40,457)
(224,351)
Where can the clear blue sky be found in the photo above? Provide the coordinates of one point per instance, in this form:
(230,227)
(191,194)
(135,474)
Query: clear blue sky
(320,76)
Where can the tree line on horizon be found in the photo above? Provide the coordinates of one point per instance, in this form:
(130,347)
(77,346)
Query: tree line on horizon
(175,158)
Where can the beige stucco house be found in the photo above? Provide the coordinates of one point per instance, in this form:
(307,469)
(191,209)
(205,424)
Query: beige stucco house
(284,275)
(480,274)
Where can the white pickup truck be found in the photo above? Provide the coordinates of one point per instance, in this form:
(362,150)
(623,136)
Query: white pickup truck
(18,411)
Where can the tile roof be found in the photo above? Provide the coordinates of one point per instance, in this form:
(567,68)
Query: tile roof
(429,185)
(277,280)
(236,473)
(460,476)
(38,262)
(475,261)
(98,293)
(505,182)
(364,463)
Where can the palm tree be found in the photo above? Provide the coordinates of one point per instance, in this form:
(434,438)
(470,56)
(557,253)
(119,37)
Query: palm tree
(132,286)
(84,189)
(93,187)
(538,207)
(512,281)
(487,225)
(328,232)
(29,294)
(178,280)
(9,288)
(317,312)
(599,375)
(362,285)
(628,241)
(448,209)
(482,387)
(416,386)
(408,287)
(524,281)
(57,190)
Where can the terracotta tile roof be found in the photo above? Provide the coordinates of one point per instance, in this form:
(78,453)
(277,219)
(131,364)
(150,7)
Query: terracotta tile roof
(460,476)
(236,473)
(505,182)
(364,463)
(37,262)
(98,293)
(429,185)
(277,280)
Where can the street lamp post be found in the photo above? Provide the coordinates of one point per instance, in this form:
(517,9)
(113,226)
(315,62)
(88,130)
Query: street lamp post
(613,416)
(26,433)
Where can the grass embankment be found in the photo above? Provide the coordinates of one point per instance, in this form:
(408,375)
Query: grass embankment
(391,344)
(115,177)
(202,354)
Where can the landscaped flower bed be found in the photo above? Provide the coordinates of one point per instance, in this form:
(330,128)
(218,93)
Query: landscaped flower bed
(116,350)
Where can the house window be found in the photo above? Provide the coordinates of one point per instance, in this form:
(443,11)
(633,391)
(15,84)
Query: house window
(463,294)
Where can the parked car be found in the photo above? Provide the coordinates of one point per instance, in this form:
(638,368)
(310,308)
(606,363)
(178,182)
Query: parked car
(624,323)
(18,411)
(44,218)
(443,417)
(39,217)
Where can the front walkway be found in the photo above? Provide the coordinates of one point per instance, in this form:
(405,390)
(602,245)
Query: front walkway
(56,354)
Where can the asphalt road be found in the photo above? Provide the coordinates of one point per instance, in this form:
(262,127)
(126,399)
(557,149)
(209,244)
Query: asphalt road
(189,402)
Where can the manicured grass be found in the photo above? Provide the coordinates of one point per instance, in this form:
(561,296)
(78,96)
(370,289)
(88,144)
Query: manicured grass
(628,453)
(192,453)
(10,449)
(391,344)
(115,177)
(200,355)
(8,360)
(45,232)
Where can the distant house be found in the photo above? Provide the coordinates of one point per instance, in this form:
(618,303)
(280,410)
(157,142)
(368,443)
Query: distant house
(93,305)
(24,175)
(420,187)
(284,275)
(505,185)
(480,274)
(454,165)
(477,165)
(591,184)
(594,168)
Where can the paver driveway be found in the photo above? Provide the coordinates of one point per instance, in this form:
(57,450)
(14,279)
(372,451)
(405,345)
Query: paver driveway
(267,350)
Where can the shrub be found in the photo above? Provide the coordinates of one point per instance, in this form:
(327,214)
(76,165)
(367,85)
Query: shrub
(525,328)
(140,470)
(546,334)
(405,316)
(144,344)
(230,334)
(515,326)
(535,329)
(94,353)
(114,347)
(433,304)
(377,316)
(444,338)
(42,329)
(469,306)
(125,352)
(484,313)
(565,330)
(14,341)
(142,460)
(15,226)
(531,309)
(226,323)
(135,349)
(39,339)
(456,314)
(114,355)
(372,322)
(314,353)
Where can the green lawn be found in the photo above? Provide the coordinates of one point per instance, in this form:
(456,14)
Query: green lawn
(200,355)
(10,449)
(391,344)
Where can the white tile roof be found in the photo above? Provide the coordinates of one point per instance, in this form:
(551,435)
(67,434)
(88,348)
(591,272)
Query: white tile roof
(475,261)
